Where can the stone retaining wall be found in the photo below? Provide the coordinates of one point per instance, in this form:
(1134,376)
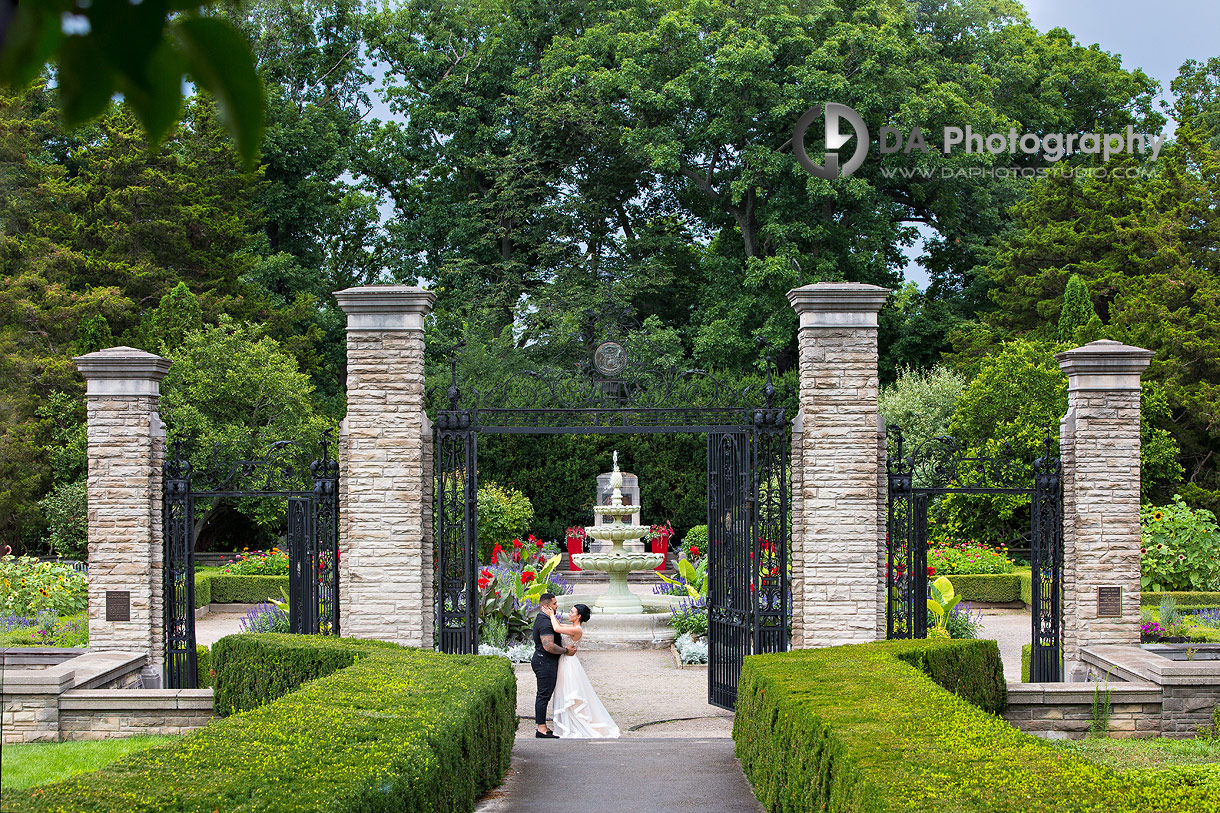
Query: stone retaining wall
(1065,710)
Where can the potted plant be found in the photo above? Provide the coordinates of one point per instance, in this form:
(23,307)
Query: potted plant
(658,538)
(576,544)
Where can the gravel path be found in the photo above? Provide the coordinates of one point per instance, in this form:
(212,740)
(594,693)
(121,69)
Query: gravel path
(1011,629)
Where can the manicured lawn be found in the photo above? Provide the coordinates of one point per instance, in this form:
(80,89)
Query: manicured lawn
(39,763)
(1150,753)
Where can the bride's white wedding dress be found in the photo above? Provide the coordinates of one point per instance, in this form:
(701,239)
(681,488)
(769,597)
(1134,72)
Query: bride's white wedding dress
(579,714)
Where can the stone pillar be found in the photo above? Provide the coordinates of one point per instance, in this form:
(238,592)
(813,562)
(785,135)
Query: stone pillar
(385,572)
(126,451)
(838,540)
(1099,442)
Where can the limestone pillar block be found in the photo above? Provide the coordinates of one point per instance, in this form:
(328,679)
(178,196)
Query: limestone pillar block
(385,544)
(126,442)
(1100,451)
(838,536)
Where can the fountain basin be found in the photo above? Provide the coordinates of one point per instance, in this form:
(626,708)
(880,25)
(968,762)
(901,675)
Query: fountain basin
(605,631)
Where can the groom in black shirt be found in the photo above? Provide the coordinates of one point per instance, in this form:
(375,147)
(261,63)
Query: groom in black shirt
(545,663)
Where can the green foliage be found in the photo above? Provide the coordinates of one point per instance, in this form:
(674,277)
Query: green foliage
(941,601)
(66,509)
(857,728)
(1015,397)
(692,579)
(226,589)
(690,621)
(921,403)
(695,538)
(1077,313)
(143,53)
(27,586)
(386,728)
(168,324)
(204,675)
(504,514)
(1151,598)
(990,587)
(1180,548)
(203,587)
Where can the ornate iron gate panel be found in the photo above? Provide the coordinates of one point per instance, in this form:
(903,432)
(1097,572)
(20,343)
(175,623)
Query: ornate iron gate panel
(178,567)
(286,473)
(1046,560)
(302,565)
(770,521)
(731,575)
(940,466)
(456,540)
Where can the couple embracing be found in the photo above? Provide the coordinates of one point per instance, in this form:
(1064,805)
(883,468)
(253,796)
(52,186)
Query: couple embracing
(579,714)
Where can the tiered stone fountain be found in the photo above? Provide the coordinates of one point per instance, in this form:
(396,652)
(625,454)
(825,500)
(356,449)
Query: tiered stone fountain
(618,561)
(621,619)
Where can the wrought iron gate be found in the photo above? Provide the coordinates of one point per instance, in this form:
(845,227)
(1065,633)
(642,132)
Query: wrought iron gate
(940,466)
(748,481)
(311,489)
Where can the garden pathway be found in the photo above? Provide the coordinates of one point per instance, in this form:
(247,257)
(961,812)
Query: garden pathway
(214,626)
(1011,630)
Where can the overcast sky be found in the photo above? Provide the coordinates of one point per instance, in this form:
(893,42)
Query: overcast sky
(1156,37)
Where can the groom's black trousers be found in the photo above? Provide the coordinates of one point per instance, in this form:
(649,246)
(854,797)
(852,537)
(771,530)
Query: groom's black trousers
(546,669)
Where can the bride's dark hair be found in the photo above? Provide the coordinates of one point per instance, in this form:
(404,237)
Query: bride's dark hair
(583,611)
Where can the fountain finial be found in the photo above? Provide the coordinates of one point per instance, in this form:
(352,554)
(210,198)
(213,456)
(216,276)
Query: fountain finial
(616,481)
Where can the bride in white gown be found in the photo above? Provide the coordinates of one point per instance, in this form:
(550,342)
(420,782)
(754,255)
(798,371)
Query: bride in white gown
(579,714)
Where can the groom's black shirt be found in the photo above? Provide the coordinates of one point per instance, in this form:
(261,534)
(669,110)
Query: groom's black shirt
(542,626)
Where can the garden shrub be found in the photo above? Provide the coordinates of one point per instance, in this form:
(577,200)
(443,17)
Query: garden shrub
(867,729)
(1152,598)
(1026,576)
(988,586)
(203,666)
(1180,548)
(215,586)
(247,589)
(67,520)
(396,729)
(203,588)
(504,514)
(696,538)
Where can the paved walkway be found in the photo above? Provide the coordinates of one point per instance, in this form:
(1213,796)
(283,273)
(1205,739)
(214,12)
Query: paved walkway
(625,776)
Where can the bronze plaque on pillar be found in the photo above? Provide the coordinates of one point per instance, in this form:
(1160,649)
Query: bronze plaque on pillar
(1109,602)
(118,605)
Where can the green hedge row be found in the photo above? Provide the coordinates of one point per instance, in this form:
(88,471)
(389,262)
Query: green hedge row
(987,586)
(397,730)
(1027,586)
(214,586)
(867,729)
(1150,598)
(203,666)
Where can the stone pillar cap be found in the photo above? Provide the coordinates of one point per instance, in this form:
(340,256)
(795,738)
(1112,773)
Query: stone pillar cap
(385,307)
(1104,365)
(838,304)
(122,371)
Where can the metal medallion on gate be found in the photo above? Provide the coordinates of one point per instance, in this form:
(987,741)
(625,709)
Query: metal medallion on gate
(610,358)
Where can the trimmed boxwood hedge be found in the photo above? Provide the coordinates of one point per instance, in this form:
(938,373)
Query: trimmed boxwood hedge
(389,729)
(215,586)
(1150,598)
(987,586)
(867,729)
